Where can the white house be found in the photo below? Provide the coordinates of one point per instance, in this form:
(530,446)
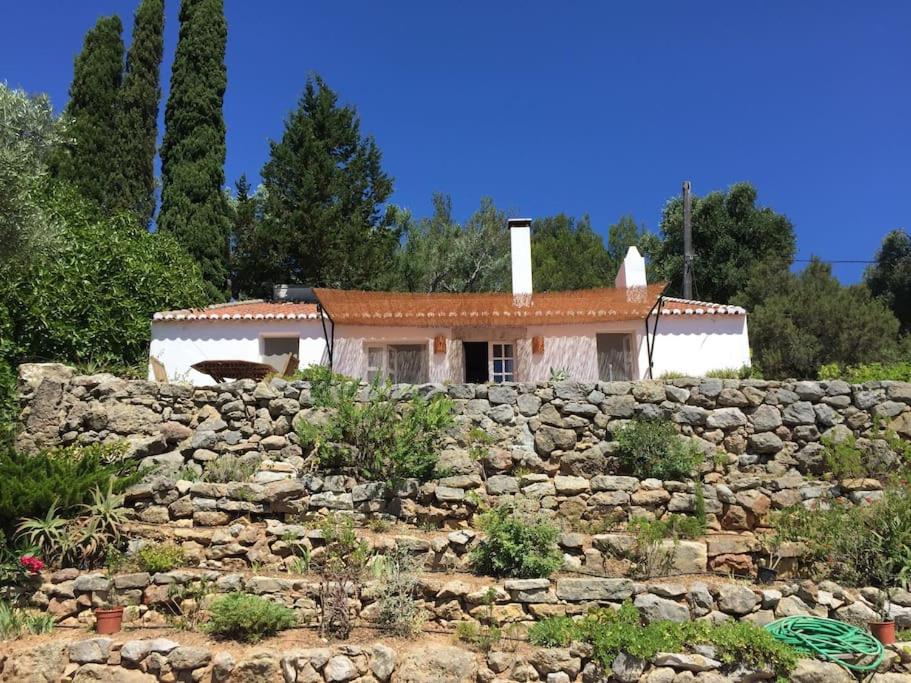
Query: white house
(629,331)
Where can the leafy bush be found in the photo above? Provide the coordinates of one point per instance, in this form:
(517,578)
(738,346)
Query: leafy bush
(65,476)
(321,379)
(397,572)
(516,544)
(611,632)
(652,448)
(843,458)
(743,372)
(341,571)
(651,555)
(160,557)
(15,622)
(92,296)
(229,467)
(867,372)
(374,437)
(482,638)
(859,545)
(248,618)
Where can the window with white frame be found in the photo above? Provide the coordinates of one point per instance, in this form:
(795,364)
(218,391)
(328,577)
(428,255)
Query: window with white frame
(399,363)
(502,362)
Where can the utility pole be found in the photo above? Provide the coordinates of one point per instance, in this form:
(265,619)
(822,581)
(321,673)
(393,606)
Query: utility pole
(687,242)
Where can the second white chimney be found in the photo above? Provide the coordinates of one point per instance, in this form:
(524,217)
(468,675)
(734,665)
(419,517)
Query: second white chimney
(520,246)
(632,270)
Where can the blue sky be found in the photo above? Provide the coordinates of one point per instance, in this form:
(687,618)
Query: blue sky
(599,108)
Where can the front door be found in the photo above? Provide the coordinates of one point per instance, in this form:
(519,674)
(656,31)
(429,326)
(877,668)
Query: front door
(476,369)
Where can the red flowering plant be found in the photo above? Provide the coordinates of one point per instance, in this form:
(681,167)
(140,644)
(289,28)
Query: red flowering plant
(19,573)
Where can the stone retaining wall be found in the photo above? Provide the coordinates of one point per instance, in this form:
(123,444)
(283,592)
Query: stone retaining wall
(551,445)
(150,599)
(165,660)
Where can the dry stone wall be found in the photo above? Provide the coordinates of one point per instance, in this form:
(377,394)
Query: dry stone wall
(550,444)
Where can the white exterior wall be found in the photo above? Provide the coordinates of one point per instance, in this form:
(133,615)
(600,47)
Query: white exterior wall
(181,344)
(688,344)
(695,344)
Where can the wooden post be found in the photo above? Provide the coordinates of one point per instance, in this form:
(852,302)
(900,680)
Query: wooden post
(687,242)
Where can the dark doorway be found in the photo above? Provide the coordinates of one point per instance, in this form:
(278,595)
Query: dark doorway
(475,362)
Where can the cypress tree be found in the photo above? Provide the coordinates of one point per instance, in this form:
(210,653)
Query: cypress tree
(87,160)
(323,190)
(137,114)
(193,206)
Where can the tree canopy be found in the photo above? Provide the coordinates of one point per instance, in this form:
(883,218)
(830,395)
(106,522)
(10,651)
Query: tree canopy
(90,157)
(323,190)
(28,135)
(193,206)
(798,322)
(730,234)
(438,254)
(889,278)
(136,123)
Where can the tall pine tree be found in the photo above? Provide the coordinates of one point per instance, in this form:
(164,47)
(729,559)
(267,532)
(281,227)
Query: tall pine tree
(193,206)
(323,188)
(89,157)
(246,258)
(137,114)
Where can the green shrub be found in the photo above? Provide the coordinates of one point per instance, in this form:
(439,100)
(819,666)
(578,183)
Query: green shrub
(553,632)
(160,557)
(867,372)
(612,631)
(67,476)
(743,372)
(321,379)
(91,296)
(15,622)
(379,440)
(652,448)
(855,544)
(248,618)
(482,638)
(843,458)
(228,467)
(397,573)
(516,544)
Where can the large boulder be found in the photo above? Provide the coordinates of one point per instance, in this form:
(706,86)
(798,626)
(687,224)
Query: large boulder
(437,664)
(43,664)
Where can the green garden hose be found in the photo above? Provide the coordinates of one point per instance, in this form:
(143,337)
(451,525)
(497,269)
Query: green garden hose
(834,641)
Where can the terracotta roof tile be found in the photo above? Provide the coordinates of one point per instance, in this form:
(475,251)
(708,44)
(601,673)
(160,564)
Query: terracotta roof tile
(244,310)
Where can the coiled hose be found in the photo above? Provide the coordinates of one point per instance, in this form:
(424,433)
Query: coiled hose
(830,640)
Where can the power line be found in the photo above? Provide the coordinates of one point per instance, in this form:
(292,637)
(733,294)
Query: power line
(825,260)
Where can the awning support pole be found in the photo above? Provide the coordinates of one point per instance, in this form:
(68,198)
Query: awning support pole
(650,343)
(328,335)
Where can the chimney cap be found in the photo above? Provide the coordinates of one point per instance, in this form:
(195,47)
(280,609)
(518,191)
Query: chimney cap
(518,222)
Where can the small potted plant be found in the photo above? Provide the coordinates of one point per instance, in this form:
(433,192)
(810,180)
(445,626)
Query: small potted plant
(883,630)
(109,618)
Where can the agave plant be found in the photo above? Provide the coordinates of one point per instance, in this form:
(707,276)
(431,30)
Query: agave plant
(105,514)
(49,535)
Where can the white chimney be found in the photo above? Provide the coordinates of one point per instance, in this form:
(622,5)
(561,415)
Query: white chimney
(632,270)
(520,246)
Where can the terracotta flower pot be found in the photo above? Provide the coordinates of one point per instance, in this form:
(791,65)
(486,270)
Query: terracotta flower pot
(883,631)
(108,620)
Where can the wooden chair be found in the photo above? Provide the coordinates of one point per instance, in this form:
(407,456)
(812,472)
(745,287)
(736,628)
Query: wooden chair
(158,370)
(291,365)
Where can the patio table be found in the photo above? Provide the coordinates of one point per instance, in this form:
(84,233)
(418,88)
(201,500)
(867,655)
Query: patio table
(223,370)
